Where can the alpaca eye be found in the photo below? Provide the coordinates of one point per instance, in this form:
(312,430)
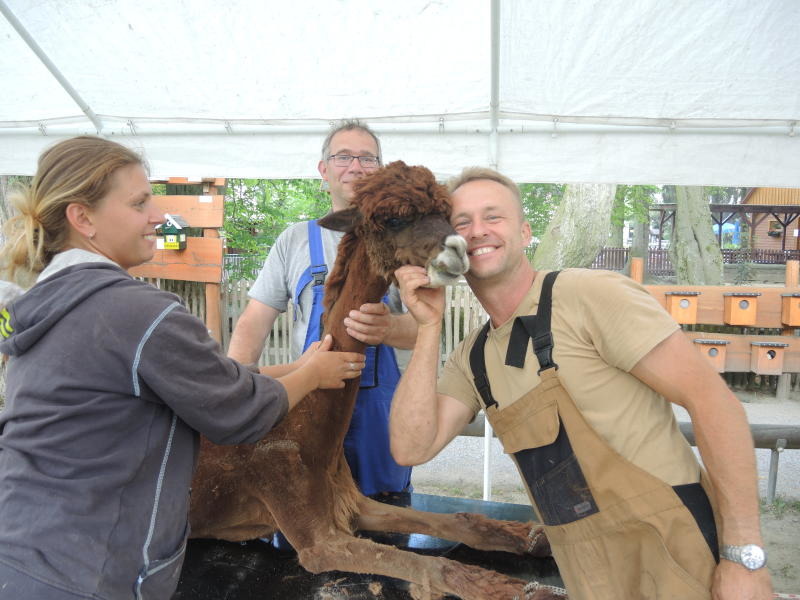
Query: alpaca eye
(395,223)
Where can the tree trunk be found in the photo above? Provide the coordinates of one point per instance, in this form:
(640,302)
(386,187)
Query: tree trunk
(4,209)
(640,246)
(615,238)
(694,251)
(7,183)
(579,228)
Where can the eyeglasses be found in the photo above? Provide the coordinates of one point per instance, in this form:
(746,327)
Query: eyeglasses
(344,160)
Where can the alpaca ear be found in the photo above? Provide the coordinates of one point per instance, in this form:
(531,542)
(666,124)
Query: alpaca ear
(341,220)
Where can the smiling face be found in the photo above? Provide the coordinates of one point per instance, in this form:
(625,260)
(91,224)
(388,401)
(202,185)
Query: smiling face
(488,216)
(124,220)
(355,142)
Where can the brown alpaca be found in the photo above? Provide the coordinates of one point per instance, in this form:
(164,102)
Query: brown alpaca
(296,478)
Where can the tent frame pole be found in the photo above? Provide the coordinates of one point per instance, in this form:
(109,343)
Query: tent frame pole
(37,50)
(494,99)
(494,109)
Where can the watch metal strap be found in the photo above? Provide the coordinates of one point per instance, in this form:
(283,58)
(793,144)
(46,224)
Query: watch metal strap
(735,554)
(731,553)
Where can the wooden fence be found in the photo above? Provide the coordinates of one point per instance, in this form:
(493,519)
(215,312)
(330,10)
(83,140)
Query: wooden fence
(658,261)
(660,265)
(464,314)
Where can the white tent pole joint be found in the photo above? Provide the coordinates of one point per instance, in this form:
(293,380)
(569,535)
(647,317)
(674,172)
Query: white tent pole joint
(37,50)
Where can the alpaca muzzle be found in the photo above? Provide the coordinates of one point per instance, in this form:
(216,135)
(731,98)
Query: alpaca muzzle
(450,263)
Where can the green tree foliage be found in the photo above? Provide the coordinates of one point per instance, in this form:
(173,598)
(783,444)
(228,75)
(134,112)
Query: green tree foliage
(539,203)
(632,203)
(632,206)
(258,210)
(726,195)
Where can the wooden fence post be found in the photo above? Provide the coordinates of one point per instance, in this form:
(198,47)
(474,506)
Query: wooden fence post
(792,279)
(792,273)
(637,269)
(213,290)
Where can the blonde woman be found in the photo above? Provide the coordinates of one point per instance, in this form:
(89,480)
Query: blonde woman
(109,383)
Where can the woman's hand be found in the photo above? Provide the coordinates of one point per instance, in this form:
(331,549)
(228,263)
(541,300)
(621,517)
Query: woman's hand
(330,369)
(306,355)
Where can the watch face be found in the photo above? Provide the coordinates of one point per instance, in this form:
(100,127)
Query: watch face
(752,556)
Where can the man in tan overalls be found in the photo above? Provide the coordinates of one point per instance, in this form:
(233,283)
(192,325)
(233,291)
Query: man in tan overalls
(576,372)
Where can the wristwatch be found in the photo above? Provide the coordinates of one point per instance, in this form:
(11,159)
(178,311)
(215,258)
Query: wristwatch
(750,556)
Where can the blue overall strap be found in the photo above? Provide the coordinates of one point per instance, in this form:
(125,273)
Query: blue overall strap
(374,358)
(315,275)
(366,445)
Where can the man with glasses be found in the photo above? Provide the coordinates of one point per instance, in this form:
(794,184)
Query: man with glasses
(295,271)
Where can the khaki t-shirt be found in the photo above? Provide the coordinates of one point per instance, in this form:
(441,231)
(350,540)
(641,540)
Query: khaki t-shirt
(603,323)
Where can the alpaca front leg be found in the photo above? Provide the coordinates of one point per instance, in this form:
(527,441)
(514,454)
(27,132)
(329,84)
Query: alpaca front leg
(434,576)
(476,531)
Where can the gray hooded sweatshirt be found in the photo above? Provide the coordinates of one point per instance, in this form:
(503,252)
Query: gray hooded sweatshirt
(109,382)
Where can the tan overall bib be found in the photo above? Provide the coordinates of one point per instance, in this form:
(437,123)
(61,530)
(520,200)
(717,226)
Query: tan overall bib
(616,531)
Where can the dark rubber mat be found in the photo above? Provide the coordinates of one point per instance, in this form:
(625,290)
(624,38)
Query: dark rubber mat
(255,570)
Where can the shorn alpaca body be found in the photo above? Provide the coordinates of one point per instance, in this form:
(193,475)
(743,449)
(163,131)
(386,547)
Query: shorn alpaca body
(297,480)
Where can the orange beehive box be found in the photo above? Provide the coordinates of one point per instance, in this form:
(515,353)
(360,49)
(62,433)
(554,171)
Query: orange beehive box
(683,306)
(714,351)
(740,308)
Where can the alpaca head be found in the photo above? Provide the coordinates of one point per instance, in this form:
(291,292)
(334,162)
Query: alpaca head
(402,216)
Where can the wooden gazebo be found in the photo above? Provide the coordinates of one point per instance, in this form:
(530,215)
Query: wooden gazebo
(782,204)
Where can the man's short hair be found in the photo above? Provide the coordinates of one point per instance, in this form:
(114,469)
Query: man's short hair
(349,125)
(481,173)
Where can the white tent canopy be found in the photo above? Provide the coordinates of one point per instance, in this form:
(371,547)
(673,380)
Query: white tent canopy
(694,92)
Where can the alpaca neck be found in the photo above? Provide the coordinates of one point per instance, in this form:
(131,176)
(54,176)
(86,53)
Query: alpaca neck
(360,285)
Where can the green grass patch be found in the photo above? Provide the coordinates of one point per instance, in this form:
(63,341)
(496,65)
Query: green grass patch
(780,507)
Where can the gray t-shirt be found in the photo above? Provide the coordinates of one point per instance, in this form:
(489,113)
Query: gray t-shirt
(286,262)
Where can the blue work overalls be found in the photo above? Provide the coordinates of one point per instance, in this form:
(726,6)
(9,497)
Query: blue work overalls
(366,445)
